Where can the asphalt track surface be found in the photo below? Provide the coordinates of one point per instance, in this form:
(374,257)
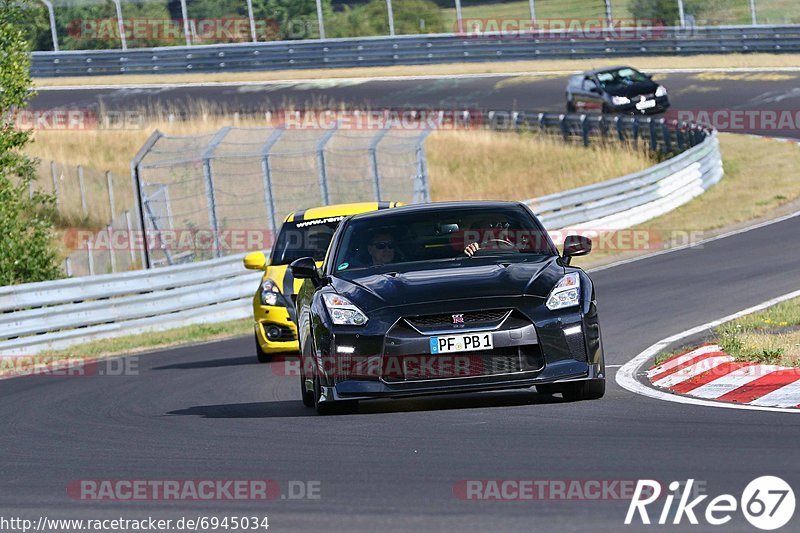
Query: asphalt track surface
(211,412)
(694,92)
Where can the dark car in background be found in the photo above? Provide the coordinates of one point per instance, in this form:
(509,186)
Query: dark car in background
(443,298)
(616,90)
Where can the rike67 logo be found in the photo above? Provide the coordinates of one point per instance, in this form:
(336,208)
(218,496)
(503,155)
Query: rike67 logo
(767,503)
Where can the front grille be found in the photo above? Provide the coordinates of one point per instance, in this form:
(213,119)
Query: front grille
(481,363)
(470,318)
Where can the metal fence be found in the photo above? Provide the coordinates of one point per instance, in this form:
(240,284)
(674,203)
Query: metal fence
(125,24)
(199,194)
(412,50)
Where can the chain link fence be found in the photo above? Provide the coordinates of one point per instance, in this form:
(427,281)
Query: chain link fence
(207,196)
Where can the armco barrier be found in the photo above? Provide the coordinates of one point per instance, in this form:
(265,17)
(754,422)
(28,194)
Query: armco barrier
(416,49)
(57,314)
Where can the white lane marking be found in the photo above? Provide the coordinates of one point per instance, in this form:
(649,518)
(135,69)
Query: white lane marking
(677,361)
(786,396)
(733,380)
(363,79)
(697,244)
(693,370)
(613,366)
(626,376)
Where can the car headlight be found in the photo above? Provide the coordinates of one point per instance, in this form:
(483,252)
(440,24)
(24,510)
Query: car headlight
(270,293)
(620,100)
(661,91)
(343,312)
(566,293)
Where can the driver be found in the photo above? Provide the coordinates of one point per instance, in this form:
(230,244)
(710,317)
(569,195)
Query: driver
(381,248)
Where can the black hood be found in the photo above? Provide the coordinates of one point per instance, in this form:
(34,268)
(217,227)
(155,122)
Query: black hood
(434,283)
(635,89)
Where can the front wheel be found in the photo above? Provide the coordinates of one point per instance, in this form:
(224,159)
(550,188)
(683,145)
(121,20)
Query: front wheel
(591,389)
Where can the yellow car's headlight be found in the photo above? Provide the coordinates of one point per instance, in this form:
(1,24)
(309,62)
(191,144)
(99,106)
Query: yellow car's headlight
(270,294)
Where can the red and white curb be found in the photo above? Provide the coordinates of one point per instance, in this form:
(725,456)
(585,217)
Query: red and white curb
(632,377)
(708,372)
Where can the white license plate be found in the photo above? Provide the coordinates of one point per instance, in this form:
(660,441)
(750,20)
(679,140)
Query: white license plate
(647,104)
(461,343)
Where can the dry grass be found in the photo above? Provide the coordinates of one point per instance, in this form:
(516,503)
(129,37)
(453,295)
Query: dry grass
(545,65)
(761,176)
(478,165)
(771,336)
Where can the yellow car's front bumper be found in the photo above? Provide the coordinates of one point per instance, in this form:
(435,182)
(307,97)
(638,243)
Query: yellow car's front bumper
(276,319)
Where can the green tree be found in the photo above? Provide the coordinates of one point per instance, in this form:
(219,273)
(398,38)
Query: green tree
(27,252)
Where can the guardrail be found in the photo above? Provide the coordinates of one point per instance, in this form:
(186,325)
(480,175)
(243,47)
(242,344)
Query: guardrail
(417,49)
(51,315)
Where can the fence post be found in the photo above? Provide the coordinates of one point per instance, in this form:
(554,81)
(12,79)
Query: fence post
(53,32)
(121,25)
(533,11)
(208,174)
(585,130)
(266,172)
(373,156)
(667,134)
(111,255)
(185,15)
(653,139)
(82,187)
(90,257)
(253,35)
(320,20)
(110,186)
(609,17)
(681,14)
(55,183)
(323,175)
(459,17)
(138,192)
(391,17)
(130,237)
(68,266)
(753,12)
(424,192)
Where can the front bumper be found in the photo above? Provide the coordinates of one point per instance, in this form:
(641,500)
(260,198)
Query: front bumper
(661,105)
(266,317)
(542,347)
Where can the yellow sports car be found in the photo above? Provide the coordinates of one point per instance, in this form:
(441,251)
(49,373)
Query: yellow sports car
(305,233)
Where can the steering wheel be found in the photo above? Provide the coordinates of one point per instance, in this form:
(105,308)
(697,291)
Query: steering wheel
(505,243)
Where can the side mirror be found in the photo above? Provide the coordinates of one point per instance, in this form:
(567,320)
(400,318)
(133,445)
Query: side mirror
(575,245)
(305,268)
(255,261)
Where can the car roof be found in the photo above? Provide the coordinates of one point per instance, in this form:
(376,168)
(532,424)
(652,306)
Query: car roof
(337,210)
(606,69)
(438,206)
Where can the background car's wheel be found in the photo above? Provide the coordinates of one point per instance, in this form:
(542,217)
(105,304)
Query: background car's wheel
(606,110)
(331,408)
(262,357)
(548,388)
(570,106)
(591,389)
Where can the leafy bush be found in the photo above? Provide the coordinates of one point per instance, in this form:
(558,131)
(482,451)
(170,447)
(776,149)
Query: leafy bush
(26,224)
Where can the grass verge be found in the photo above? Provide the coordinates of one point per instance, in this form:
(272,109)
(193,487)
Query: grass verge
(771,336)
(761,181)
(500,67)
(128,344)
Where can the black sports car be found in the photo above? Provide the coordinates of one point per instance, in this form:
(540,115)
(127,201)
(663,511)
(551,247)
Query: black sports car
(616,90)
(446,297)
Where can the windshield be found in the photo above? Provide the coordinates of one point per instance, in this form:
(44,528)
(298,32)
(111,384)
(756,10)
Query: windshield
(307,238)
(620,78)
(405,238)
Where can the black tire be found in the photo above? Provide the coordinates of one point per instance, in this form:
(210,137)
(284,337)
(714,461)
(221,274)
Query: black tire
(331,408)
(548,388)
(260,355)
(308,397)
(605,110)
(570,107)
(591,389)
